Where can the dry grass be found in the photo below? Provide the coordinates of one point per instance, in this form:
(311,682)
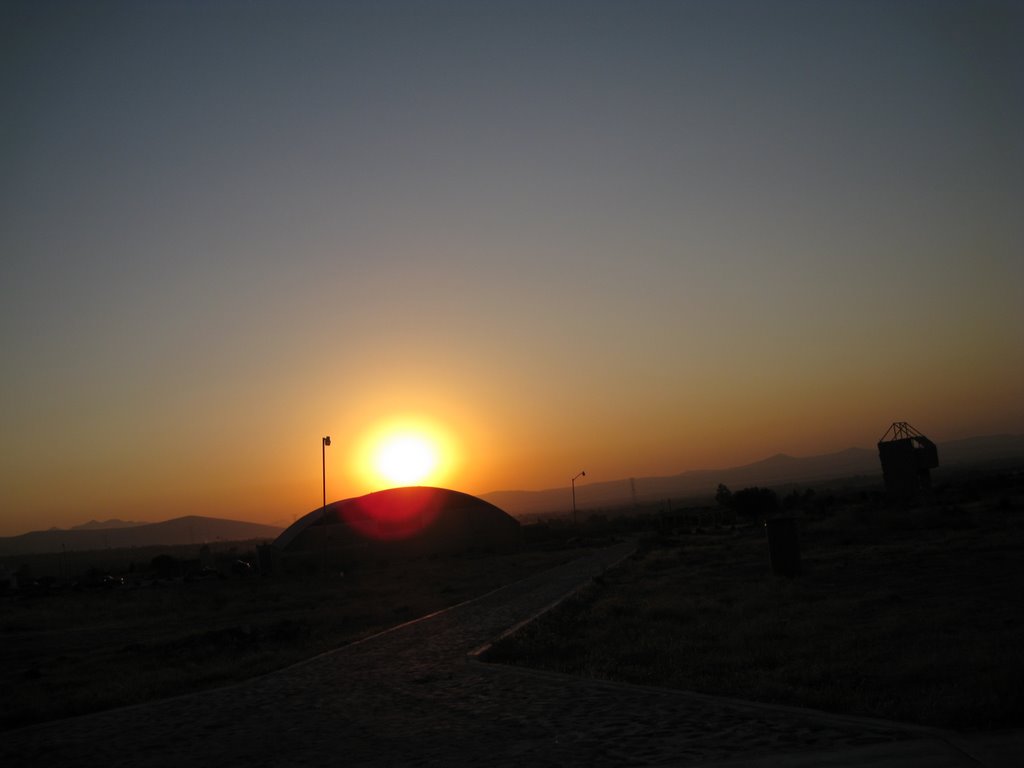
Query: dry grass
(912,616)
(81,651)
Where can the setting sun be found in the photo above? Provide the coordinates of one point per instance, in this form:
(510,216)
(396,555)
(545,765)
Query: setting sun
(405,451)
(405,459)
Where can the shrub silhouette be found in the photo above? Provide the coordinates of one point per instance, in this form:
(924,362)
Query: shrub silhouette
(796,499)
(723,496)
(165,566)
(755,503)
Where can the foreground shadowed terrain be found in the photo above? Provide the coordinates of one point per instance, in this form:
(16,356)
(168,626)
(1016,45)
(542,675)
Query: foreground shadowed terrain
(904,613)
(76,651)
(909,614)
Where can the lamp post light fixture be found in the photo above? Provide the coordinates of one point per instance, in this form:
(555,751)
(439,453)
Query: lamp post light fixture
(573,481)
(324,442)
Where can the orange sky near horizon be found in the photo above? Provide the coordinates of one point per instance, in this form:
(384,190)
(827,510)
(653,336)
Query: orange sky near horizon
(241,472)
(632,239)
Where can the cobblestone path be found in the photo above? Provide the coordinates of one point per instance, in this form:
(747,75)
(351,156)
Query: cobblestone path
(409,696)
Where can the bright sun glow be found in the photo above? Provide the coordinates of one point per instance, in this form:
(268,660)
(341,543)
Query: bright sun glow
(405,451)
(406,459)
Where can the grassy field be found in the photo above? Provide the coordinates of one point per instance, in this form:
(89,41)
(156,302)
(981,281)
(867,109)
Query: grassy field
(79,651)
(912,615)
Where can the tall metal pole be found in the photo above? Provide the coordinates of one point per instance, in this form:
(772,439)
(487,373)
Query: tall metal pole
(324,442)
(573,481)
(574,501)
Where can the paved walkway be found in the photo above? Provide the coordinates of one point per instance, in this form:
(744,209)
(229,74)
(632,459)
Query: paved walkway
(411,697)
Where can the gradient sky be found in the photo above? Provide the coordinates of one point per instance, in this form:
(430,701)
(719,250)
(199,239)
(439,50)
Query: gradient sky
(634,238)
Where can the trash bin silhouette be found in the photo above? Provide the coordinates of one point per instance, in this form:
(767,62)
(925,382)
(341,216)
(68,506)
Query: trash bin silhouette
(784,546)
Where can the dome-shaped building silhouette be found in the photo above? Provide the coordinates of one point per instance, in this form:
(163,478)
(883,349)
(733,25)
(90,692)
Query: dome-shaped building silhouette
(418,518)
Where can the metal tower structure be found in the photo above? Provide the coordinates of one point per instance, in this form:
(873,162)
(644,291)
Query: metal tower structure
(907,457)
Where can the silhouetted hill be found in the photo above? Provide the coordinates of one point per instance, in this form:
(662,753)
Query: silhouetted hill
(182,530)
(1000,449)
(113,523)
(777,470)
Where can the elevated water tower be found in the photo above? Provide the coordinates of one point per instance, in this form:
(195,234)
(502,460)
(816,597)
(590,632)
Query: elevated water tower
(907,457)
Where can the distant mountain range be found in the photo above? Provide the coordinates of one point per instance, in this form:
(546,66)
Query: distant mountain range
(850,465)
(94,525)
(118,533)
(854,465)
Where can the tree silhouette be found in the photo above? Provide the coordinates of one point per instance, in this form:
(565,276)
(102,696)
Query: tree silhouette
(723,496)
(755,503)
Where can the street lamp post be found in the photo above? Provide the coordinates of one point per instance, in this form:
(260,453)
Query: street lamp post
(573,481)
(324,442)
